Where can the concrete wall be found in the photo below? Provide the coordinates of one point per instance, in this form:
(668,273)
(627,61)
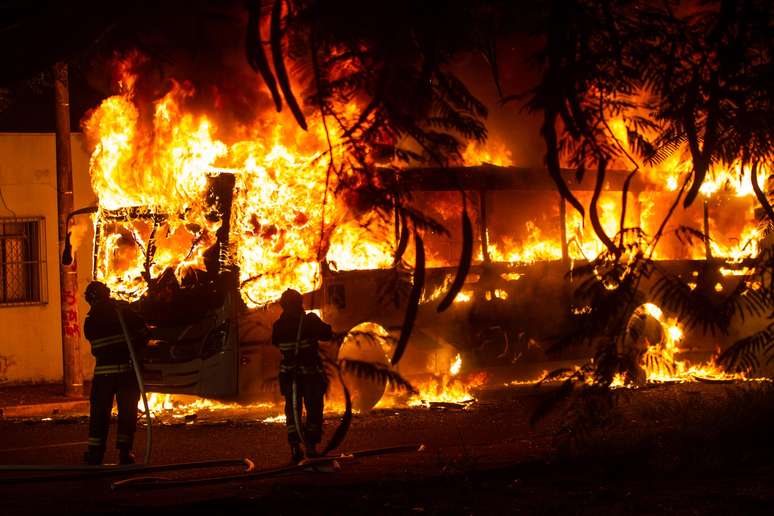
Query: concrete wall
(30,336)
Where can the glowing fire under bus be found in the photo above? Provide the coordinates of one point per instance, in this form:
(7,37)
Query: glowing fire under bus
(207,341)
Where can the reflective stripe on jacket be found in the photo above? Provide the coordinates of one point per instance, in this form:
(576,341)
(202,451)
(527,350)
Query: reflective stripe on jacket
(112,340)
(113,369)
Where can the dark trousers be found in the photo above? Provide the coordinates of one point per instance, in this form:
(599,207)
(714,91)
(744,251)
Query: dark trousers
(310,392)
(103,388)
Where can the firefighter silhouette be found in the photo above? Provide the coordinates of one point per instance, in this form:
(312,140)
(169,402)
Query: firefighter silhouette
(113,373)
(301,376)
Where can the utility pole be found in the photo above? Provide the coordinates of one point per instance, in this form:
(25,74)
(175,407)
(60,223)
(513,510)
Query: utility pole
(68,274)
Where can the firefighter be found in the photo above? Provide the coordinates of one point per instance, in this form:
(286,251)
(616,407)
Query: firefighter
(113,374)
(297,335)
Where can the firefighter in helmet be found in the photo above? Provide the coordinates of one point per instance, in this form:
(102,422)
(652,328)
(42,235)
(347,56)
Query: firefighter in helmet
(113,374)
(301,376)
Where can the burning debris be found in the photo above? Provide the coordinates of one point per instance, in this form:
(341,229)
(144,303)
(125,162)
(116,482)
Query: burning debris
(446,390)
(659,359)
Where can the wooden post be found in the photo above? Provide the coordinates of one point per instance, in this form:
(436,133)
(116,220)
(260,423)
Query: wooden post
(68,276)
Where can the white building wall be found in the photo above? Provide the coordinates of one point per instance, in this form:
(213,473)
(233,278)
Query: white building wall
(30,336)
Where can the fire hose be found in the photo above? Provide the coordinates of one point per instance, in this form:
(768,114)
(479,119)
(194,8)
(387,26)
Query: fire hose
(295,407)
(140,383)
(346,420)
(305,465)
(88,472)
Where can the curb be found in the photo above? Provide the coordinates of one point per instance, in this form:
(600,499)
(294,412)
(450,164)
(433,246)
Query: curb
(45,409)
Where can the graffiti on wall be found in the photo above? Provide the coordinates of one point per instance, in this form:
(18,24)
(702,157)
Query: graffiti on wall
(70,314)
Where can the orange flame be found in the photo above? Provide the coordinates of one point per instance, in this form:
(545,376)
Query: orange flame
(163,165)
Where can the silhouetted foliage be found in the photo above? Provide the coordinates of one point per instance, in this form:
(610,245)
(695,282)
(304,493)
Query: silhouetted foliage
(692,80)
(711,71)
(415,296)
(378,373)
(701,306)
(370,370)
(745,354)
(753,351)
(466,257)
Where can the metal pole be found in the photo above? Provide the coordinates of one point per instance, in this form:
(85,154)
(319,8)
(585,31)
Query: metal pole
(483,225)
(707,247)
(68,276)
(563,228)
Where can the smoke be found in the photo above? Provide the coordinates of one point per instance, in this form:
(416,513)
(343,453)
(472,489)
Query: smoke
(508,123)
(201,46)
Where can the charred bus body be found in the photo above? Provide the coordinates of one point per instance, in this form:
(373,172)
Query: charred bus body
(194,346)
(206,342)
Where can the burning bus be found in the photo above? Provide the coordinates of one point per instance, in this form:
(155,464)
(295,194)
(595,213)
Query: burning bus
(210,342)
(202,227)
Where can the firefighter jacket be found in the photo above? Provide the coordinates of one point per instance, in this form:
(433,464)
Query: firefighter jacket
(108,345)
(284,336)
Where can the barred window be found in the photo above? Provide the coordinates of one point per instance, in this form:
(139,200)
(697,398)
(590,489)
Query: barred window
(22,261)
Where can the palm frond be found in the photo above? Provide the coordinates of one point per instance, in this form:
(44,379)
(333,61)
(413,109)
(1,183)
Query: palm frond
(746,353)
(378,373)
(414,299)
(699,305)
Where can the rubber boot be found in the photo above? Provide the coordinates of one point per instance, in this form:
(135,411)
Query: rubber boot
(297,455)
(125,456)
(94,455)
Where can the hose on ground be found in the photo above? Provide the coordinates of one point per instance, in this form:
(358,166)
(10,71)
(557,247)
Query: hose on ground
(305,465)
(79,472)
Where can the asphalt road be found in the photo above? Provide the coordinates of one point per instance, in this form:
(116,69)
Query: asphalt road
(494,433)
(483,460)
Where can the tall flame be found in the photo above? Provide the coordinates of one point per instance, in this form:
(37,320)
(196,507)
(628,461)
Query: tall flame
(660,360)
(163,163)
(161,157)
